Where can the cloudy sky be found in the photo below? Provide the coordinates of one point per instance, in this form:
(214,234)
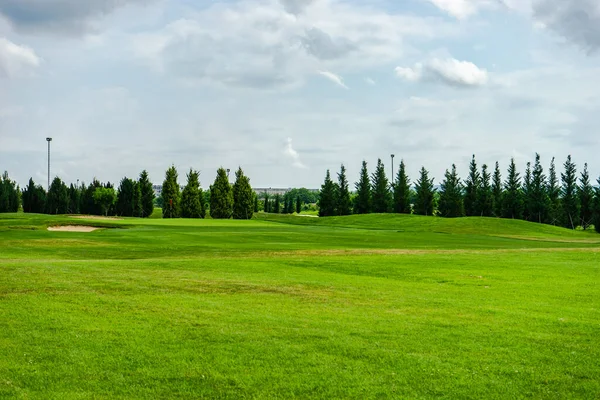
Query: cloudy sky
(290,88)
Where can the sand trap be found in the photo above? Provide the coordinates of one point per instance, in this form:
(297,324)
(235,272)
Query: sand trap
(72,228)
(97,217)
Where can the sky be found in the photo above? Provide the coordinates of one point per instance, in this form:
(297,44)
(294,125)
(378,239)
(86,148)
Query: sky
(287,89)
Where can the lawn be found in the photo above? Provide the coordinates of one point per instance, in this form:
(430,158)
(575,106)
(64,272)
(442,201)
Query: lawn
(377,306)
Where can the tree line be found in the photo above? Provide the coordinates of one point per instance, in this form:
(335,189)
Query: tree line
(571,201)
(134,197)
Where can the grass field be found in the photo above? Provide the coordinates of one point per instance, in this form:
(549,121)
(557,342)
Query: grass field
(298,307)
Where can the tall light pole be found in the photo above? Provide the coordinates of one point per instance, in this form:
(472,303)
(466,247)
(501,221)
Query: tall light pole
(392,168)
(48,139)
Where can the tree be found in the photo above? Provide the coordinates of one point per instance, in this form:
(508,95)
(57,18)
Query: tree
(585,192)
(88,205)
(124,205)
(451,198)
(171,194)
(9,195)
(362,204)
(402,191)
(485,198)
(191,206)
(381,190)
(497,191)
(255,203)
(597,207)
(221,196)
(34,198)
(57,201)
(553,191)
(472,189)
(538,194)
(344,207)
(267,206)
(570,203)
(527,193)
(276,204)
(298,205)
(424,202)
(327,197)
(243,197)
(512,202)
(74,199)
(105,198)
(138,207)
(147,192)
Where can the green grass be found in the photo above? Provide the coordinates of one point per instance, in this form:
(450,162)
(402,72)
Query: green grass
(298,307)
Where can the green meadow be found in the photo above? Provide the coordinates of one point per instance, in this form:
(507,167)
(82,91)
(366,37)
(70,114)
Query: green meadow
(279,307)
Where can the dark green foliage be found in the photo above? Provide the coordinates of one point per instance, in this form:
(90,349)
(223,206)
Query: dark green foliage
(124,205)
(424,202)
(57,201)
(472,189)
(570,201)
(34,198)
(497,191)
(512,201)
(485,198)
(362,204)
(191,201)
(526,192)
(105,198)
(138,207)
(298,205)
(451,203)
(255,203)
(382,199)
(597,207)
(306,196)
(276,208)
(402,191)
(585,193)
(221,196)
(74,199)
(327,197)
(171,194)
(243,196)
(344,206)
(267,205)
(9,195)
(88,206)
(538,200)
(553,192)
(147,195)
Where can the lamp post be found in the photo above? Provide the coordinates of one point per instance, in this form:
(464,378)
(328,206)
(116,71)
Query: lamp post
(48,139)
(392,168)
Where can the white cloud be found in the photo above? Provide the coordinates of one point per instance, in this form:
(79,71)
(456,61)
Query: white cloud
(449,71)
(15,60)
(333,78)
(463,8)
(370,81)
(293,155)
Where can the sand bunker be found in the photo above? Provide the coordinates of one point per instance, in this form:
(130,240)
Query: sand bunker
(97,217)
(72,228)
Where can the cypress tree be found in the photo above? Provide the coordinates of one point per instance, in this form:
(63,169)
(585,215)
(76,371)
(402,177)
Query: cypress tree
(221,196)
(191,206)
(327,197)
(74,199)
(512,202)
(527,193)
(34,198)
(171,194)
(451,197)
(570,202)
(344,206)
(298,205)
(9,195)
(597,207)
(553,191)
(88,204)
(138,208)
(497,191)
(57,201)
(382,199)
(585,193)
(124,206)
(472,189)
(485,198)
(362,204)
(538,204)
(243,196)
(267,206)
(402,191)
(255,203)
(147,194)
(424,202)
(276,204)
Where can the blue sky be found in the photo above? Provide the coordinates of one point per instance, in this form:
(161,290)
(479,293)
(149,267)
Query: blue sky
(289,88)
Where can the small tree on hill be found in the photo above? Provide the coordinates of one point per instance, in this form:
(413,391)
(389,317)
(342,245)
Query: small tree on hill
(191,202)
(276,204)
(485,198)
(147,192)
(424,201)
(221,196)
(512,202)
(538,195)
(570,202)
(34,198)
(255,203)
(585,192)
(298,205)
(553,191)
(451,198)
(472,189)
(344,207)
(105,198)
(57,201)
(124,205)
(10,195)
(327,197)
(171,194)
(402,191)
(527,193)
(497,191)
(381,190)
(363,203)
(267,205)
(243,196)
(138,207)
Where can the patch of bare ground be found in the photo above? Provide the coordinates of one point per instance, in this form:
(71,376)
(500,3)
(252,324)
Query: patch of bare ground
(72,228)
(97,217)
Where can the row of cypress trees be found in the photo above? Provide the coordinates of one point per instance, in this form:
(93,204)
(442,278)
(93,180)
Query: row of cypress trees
(570,202)
(226,200)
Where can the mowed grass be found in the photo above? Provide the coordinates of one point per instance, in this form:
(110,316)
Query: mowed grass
(298,307)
